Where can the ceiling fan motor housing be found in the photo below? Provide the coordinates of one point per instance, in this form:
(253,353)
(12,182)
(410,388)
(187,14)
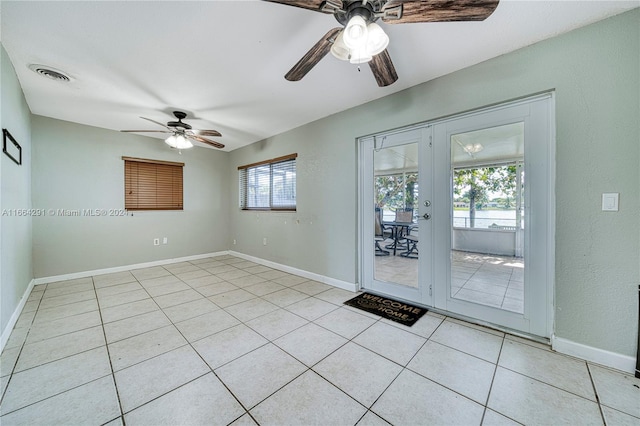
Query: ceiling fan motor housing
(367,10)
(179,115)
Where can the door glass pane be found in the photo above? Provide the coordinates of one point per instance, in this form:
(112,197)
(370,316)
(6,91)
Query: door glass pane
(396,209)
(487,233)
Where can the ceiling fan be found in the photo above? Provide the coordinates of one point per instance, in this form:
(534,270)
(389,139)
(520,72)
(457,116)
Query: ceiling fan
(181,134)
(362,40)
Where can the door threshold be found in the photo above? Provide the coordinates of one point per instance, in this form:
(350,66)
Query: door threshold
(470,320)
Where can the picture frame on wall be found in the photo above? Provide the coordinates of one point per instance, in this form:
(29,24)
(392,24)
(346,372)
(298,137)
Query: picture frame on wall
(11,147)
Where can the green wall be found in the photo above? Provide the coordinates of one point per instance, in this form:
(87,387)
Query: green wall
(595,72)
(79,167)
(16,270)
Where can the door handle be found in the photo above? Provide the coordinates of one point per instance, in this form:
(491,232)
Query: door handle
(426,216)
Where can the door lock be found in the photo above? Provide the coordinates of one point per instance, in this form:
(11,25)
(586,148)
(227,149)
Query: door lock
(426,216)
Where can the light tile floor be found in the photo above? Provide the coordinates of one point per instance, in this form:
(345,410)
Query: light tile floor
(491,280)
(227,341)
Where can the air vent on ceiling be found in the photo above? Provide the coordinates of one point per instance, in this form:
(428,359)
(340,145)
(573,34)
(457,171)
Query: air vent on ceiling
(50,72)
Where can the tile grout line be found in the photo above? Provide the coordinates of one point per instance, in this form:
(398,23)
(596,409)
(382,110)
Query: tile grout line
(57,394)
(444,386)
(307,368)
(174,324)
(122,413)
(403,369)
(493,378)
(351,340)
(24,342)
(58,359)
(190,344)
(595,392)
(460,350)
(106,345)
(552,385)
(378,320)
(61,392)
(140,334)
(269,341)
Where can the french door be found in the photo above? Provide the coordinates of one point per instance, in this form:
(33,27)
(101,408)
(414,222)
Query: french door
(396,229)
(480,191)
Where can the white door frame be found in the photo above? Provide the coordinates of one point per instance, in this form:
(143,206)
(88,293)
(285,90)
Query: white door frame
(367,148)
(540,206)
(539,213)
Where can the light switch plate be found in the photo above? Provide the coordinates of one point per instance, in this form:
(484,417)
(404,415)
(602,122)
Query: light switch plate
(610,201)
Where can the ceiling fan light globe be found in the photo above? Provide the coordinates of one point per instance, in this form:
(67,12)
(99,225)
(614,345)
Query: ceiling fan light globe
(356,32)
(182,142)
(185,145)
(171,141)
(360,56)
(339,49)
(473,148)
(377,40)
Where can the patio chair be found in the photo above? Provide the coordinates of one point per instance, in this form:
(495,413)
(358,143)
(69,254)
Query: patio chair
(403,216)
(380,236)
(412,247)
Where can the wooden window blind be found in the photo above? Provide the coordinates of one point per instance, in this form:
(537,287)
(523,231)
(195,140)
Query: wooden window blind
(269,185)
(152,184)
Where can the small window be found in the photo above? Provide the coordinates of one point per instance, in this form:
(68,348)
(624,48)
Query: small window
(152,184)
(269,185)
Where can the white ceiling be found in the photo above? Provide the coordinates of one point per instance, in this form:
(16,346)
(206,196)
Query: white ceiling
(223,62)
(492,145)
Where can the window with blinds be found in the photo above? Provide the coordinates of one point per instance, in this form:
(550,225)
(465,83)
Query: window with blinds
(152,184)
(269,185)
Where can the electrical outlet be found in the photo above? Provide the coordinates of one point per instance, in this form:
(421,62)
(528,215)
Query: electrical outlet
(264,241)
(156,241)
(165,240)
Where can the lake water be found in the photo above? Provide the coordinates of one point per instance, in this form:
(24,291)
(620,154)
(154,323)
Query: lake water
(484,218)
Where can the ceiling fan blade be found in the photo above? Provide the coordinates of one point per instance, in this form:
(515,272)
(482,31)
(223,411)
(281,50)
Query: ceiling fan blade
(408,11)
(206,141)
(145,131)
(383,69)
(208,132)
(313,56)
(156,122)
(315,5)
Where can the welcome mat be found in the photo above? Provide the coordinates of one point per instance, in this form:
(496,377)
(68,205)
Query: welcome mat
(390,309)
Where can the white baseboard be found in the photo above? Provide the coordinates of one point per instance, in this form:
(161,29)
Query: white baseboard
(306,274)
(45,280)
(84,274)
(599,356)
(310,275)
(16,314)
(595,355)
